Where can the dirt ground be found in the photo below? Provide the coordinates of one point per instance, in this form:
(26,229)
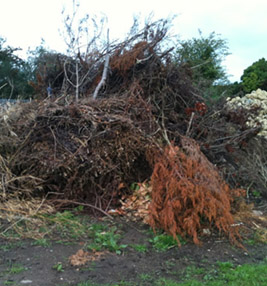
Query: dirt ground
(49,265)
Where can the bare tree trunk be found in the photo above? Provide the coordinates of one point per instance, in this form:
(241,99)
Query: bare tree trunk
(105,70)
(12,87)
(77,81)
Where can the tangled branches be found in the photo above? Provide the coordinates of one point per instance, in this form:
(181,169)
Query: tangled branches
(80,152)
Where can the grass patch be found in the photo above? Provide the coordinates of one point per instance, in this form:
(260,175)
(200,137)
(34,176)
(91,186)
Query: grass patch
(222,274)
(64,226)
(68,225)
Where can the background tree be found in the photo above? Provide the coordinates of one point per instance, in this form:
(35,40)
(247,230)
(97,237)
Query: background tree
(204,56)
(14,73)
(255,76)
(47,68)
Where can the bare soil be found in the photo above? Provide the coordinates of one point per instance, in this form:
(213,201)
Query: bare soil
(39,261)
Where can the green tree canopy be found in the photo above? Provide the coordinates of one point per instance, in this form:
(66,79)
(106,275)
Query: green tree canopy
(14,73)
(255,76)
(204,56)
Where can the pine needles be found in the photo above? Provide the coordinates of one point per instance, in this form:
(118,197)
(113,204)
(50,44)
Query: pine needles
(188,194)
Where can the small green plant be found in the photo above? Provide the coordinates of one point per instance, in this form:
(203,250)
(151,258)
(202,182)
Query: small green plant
(70,225)
(256,194)
(79,209)
(58,267)
(139,247)
(170,263)
(16,268)
(163,242)
(224,266)
(87,283)
(106,238)
(8,283)
(144,277)
(11,245)
(42,242)
(134,187)
(192,271)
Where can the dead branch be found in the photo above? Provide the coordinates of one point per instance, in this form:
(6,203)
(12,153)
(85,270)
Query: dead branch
(70,202)
(105,70)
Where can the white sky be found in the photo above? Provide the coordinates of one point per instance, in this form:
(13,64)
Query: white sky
(242,23)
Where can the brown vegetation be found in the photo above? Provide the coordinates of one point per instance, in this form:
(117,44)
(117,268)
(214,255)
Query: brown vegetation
(188,193)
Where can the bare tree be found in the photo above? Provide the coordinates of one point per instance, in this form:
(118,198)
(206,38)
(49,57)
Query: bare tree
(81,36)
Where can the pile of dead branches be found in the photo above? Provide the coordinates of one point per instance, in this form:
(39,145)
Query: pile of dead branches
(233,146)
(90,151)
(81,152)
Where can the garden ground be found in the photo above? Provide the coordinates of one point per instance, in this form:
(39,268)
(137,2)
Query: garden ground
(84,251)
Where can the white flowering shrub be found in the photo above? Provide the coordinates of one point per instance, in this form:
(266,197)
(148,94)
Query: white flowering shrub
(256,105)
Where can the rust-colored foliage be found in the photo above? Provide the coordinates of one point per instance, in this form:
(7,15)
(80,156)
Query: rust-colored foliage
(40,84)
(188,194)
(123,61)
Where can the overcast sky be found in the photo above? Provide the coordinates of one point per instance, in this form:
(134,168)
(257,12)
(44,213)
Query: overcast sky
(242,23)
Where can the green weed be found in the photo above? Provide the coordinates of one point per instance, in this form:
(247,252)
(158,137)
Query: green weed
(8,283)
(139,247)
(146,277)
(70,225)
(11,245)
(192,271)
(105,237)
(163,242)
(16,269)
(42,242)
(58,267)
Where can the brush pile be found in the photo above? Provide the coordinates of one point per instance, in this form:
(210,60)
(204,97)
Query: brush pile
(91,151)
(78,152)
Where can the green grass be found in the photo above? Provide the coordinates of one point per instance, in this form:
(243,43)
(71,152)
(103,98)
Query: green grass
(225,273)
(64,226)
(69,225)
(222,274)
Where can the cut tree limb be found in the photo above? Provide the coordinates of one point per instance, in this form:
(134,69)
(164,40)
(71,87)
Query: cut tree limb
(105,70)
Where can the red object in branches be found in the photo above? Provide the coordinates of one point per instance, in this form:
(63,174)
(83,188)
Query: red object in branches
(200,108)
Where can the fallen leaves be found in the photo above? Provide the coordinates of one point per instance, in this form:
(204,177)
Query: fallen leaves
(136,206)
(81,257)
